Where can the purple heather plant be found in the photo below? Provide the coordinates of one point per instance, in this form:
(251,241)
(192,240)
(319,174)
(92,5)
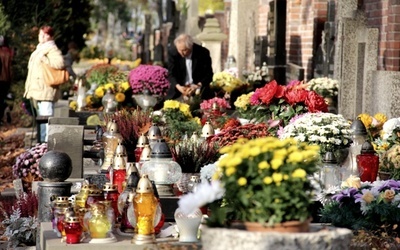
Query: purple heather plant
(151,77)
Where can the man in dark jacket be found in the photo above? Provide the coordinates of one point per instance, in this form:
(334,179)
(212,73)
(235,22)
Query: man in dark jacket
(189,69)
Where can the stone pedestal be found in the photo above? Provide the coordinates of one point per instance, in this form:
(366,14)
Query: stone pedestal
(318,238)
(212,37)
(46,191)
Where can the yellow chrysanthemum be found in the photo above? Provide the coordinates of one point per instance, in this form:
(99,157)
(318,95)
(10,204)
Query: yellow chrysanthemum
(124,86)
(99,92)
(243,101)
(120,97)
(185,109)
(366,119)
(88,99)
(230,171)
(267,180)
(276,163)
(73,105)
(295,157)
(299,173)
(109,86)
(277,177)
(171,104)
(242,181)
(280,153)
(263,165)
(197,120)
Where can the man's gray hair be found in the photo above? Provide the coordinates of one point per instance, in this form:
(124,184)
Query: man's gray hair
(185,39)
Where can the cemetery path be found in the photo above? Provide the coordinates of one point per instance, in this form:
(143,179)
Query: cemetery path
(11,145)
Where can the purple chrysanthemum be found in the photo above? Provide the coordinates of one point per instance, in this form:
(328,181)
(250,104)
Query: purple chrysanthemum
(151,77)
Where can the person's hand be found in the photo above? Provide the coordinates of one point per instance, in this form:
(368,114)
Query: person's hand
(183,89)
(194,89)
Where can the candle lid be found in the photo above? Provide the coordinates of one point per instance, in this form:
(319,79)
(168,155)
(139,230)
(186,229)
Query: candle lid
(144,185)
(367,148)
(358,127)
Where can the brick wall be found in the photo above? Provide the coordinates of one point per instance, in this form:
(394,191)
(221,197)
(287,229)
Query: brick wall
(385,16)
(301,24)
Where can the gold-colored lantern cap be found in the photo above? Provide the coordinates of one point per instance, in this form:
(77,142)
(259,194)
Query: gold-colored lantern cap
(144,185)
(154,132)
(119,162)
(110,187)
(145,156)
(72,219)
(62,199)
(207,130)
(113,128)
(142,141)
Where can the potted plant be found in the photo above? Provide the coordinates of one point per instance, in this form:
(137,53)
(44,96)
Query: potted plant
(192,155)
(274,103)
(370,209)
(176,120)
(267,180)
(330,131)
(26,166)
(389,165)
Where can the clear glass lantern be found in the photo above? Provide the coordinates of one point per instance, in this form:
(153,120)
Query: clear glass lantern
(109,102)
(111,139)
(330,172)
(162,169)
(359,136)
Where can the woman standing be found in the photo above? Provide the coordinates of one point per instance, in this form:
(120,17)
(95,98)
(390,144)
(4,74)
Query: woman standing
(42,95)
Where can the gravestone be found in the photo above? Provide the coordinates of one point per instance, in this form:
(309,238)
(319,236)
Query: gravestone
(242,32)
(69,139)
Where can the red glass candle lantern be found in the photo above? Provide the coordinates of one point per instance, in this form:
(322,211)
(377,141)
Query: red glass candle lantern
(73,230)
(143,140)
(111,194)
(119,172)
(368,162)
(93,197)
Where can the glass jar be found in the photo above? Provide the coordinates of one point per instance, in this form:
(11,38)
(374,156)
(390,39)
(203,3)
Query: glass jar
(99,224)
(111,194)
(73,230)
(188,224)
(93,197)
(368,163)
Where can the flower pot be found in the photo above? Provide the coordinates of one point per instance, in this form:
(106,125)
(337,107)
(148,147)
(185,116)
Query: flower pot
(319,237)
(384,175)
(284,227)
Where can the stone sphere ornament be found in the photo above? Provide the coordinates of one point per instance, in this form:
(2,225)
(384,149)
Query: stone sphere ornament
(55,166)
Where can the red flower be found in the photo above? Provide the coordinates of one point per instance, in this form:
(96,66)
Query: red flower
(293,96)
(315,103)
(268,92)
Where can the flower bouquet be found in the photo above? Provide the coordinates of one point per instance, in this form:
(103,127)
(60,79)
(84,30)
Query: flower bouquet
(26,166)
(267,179)
(372,206)
(178,120)
(131,123)
(149,77)
(226,81)
(193,155)
(324,86)
(100,73)
(373,124)
(330,131)
(213,110)
(278,103)
(390,162)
